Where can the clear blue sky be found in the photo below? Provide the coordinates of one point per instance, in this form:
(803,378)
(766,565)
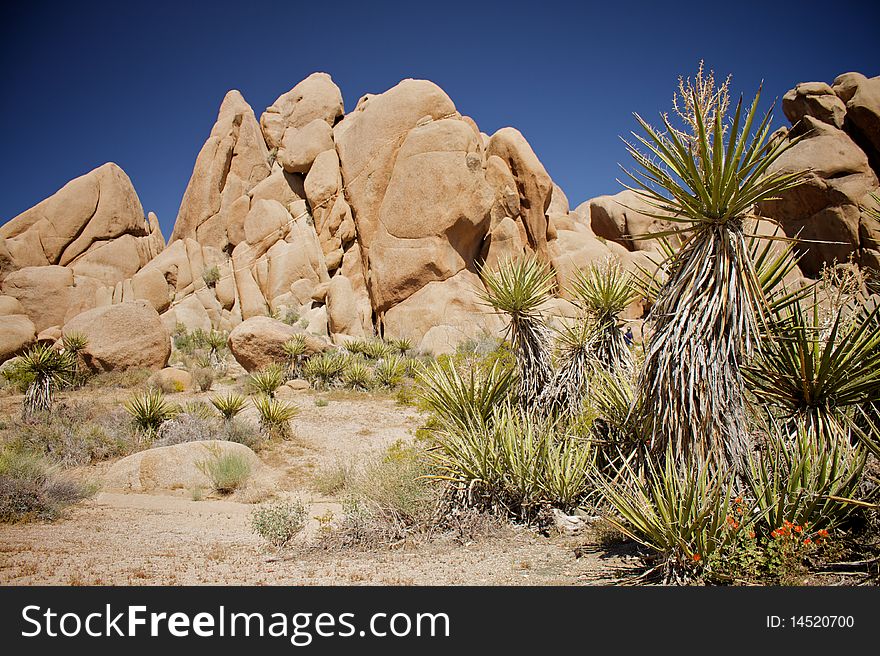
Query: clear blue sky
(140,83)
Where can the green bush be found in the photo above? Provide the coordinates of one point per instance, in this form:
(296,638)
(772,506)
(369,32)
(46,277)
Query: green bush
(275,416)
(203,377)
(389,371)
(211,276)
(324,370)
(228,405)
(357,375)
(226,471)
(278,523)
(150,410)
(266,381)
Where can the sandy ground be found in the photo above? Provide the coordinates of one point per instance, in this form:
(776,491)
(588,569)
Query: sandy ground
(122,539)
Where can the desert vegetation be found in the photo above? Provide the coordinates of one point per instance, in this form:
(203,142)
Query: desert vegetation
(733,438)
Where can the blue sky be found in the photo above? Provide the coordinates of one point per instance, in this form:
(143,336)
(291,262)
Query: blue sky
(140,83)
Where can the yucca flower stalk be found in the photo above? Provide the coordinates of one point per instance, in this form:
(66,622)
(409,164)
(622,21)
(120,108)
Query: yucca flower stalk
(518,288)
(706,316)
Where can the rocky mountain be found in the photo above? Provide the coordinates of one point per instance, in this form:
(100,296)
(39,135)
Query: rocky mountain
(376,221)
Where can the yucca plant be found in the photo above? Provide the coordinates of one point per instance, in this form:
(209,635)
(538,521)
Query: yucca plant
(324,370)
(690,392)
(357,375)
(575,356)
(228,405)
(806,479)
(517,465)
(48,370)
(295,349)
(402,344)
(75,343)
(275,416)
(266,380)
(818,379)
(464,401)
(603,291)
(389,371)
(216,342)
(376,349)
(518,288)
(150,410)
(679,511)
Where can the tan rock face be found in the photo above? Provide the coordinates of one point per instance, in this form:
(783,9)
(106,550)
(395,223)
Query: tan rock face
(232,161)
(316,97)
(342,308)
(10,305)
(124,336)
(533,184)
(824,210)
(44,292)
(300,146)
(862,98)
(815,99)
(619,219)
(17,332)
(257,342)
(443,314)
(88,211)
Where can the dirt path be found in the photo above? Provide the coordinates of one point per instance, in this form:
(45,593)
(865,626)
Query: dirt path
(120,539)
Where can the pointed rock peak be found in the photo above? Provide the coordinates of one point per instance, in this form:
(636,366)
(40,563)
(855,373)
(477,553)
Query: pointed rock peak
(316,97)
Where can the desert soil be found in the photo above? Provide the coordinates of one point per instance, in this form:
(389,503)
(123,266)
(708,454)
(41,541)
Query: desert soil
(171,539)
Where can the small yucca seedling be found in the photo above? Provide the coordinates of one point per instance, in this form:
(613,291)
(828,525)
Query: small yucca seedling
(266,381)
(74,342)
(198,409)
(389,371)
(357,375)
(275,416)
(48,370)
(295,349)
(357,346)
(216,342)
(376,349)
(519,288)
(150,410)
(229,405)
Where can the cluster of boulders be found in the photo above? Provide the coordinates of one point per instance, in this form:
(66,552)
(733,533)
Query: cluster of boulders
(370,222)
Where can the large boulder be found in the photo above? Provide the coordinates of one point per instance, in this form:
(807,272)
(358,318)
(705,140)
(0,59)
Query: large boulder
(175,467)
(300,146)
(89,210)
(441,315)
(342,308)
(316,97)
(125,336)
(623,218)
(231,162)
(257,342)
(862,123)
(534,186)
(824,211)
(16,334)
(44,292)
(816,99)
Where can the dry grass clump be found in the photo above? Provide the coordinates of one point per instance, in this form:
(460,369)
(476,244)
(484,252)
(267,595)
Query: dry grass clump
(226,471)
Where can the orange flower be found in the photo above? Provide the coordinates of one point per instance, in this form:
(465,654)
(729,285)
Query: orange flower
(738,500)
(774,534)
(696,557)
(788,524)
(807,541)
(823,533)
(752,535)
(798,529)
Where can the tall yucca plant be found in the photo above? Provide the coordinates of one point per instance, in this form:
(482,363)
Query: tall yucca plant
(48,370)
(518,288)
(706,314)
(603,291)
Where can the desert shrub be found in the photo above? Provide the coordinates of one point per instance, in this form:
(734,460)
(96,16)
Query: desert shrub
(516,465)
(275,416)
(357,375)
(150,410)
(389,371)
(228,405)
(242,432)
(75,434)
(203,377)
(187,342)
(226,471)
(321,403)
(362,527)
(211,276)
(31,490)
(183,428)
(335,478)
(127,379)
(266,381)
(295,349)
(279,522)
